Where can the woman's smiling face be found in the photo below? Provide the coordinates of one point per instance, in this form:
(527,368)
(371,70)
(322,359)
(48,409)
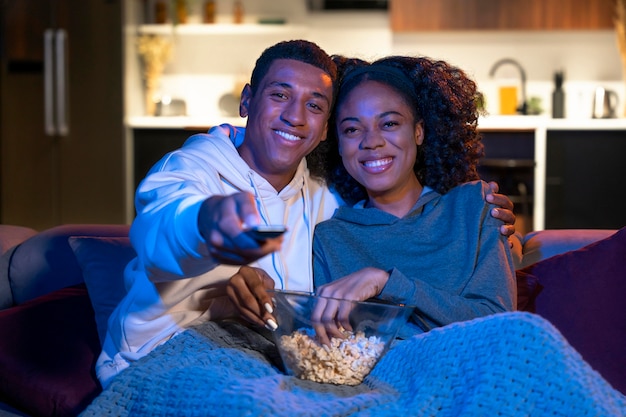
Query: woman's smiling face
(378,138)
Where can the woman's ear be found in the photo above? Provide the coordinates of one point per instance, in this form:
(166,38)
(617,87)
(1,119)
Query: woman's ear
(419,133)
(244,102)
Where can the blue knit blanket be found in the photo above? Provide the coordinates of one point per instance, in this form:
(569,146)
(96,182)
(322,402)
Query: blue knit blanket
(510,364)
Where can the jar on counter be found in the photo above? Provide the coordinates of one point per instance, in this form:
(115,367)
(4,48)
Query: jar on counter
(160,12)
(208,15)
(181,11)
(238,12)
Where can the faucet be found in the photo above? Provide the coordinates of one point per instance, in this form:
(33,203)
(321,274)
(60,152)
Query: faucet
(523,107)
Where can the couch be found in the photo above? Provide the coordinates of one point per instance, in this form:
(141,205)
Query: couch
(58,286)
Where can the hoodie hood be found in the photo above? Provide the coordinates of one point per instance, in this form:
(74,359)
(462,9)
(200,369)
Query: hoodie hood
(359,214)
(218,150)
(221,144)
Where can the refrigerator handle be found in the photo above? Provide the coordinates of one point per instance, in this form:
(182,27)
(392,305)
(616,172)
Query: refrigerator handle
(62,122)
(48,78)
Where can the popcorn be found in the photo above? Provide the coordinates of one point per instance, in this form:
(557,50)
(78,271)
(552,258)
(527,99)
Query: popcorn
(346,361)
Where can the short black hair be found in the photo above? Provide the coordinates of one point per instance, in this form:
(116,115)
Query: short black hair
(299,50)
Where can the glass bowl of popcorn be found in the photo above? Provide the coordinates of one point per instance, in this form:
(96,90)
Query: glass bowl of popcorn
(357,335)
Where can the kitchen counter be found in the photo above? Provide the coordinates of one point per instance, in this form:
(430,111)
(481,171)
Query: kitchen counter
(485,123)
(181,122)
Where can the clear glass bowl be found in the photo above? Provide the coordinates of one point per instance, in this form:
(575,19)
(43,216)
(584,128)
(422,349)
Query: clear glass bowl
(347,360)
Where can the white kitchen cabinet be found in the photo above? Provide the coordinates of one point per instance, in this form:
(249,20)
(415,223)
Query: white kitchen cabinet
(577,180)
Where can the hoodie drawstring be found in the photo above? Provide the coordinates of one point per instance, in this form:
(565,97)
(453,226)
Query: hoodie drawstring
(277,260)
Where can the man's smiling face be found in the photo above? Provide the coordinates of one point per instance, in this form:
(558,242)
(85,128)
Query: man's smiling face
(287,118)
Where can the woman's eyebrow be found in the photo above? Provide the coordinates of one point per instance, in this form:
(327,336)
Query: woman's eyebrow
(349,119)
(379,116)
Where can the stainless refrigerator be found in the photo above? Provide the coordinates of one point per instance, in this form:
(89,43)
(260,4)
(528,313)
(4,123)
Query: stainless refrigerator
(61,104)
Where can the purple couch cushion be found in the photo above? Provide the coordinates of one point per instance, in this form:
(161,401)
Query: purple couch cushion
(583,296)
(48,349)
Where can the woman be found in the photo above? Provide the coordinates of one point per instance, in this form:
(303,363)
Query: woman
(421,234)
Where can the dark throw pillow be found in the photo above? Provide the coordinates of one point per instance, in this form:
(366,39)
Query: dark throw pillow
(48,349)
(583,296)
(528,288)
(103,260)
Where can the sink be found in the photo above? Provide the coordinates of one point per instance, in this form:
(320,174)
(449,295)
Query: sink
(523,107)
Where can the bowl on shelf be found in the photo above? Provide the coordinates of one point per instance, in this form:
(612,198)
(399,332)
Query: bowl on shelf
(346,360)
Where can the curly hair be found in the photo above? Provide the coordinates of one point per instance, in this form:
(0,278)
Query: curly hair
(443,97)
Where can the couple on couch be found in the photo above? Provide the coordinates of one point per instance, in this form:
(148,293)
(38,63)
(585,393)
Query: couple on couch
(402,148)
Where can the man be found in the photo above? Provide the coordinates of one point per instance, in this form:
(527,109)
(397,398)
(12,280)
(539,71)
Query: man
(194,205)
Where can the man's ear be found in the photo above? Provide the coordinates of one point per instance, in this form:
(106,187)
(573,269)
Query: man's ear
(419,133)
(244,102)
(325,134)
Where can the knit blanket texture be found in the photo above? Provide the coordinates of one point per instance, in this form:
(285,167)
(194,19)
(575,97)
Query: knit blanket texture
(509,364)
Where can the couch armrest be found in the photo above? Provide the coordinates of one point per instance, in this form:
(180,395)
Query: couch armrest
(543,244)
(13,235)
(10,236)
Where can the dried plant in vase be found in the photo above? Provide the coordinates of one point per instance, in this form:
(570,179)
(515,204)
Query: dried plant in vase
(155,51)
(620,29)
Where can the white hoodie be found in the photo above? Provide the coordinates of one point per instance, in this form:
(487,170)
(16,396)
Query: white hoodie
(174,282)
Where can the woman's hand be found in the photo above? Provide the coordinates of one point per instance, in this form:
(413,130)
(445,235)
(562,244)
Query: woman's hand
(247,290)
(331,315)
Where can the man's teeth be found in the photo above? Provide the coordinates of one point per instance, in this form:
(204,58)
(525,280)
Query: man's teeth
(288,136)
(377,163)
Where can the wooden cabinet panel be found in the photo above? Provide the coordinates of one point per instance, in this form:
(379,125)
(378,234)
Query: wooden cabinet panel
(434,15)
(77,177)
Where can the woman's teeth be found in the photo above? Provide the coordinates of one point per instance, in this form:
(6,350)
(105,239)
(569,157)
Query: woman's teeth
(377,163)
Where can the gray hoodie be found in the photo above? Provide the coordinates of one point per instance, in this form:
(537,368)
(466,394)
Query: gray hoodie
(446,257)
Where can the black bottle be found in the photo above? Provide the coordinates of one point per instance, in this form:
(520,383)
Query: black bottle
(558,96)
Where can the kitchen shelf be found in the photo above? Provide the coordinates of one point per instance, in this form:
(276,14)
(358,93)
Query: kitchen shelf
(220,29)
